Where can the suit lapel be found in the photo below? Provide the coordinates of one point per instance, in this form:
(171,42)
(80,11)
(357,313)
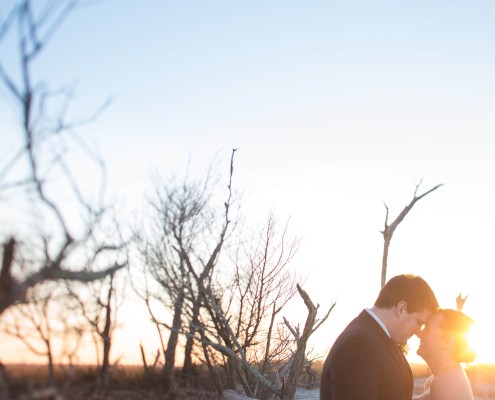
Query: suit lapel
(404,367)
(400,359)
(394,350)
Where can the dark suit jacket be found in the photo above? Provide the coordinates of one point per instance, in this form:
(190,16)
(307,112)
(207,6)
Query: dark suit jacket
(365,364)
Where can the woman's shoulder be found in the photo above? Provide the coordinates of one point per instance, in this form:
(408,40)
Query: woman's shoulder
(452,384)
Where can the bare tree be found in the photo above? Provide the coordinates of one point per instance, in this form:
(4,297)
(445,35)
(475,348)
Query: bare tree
(99,306)
(44,326)
(168,273)
(200,266)
(148,367)
(390,229)
(236,319)
(32,323)
(297,362)
(241,321)
(183,240)
(284,388)
(261,287)
(38,175)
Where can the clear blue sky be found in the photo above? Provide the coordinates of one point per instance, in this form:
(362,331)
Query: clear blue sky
(335,107)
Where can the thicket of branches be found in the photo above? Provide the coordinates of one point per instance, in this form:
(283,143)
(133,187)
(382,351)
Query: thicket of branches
(225,287)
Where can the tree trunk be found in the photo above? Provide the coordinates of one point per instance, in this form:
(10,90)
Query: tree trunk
(173,339)
(268,341)
(290,381)
(213,371)
(231,374)
(386,244)
(106,336)
(51,369)
(187,368)
(105,367)
(289,391)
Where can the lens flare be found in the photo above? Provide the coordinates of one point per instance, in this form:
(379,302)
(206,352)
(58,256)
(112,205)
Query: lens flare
(474,340)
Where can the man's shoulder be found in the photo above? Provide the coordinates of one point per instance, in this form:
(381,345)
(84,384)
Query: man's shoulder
(363,324)
(362,329)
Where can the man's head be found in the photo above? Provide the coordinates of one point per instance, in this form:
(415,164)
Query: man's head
(405,302)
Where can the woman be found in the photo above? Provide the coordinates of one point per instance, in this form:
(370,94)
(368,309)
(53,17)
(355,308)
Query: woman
(444,346)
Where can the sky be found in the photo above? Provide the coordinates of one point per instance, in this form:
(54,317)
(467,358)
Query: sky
(335,108)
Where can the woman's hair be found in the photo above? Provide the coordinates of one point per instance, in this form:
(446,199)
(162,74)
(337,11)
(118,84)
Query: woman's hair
(456,324)
(409,288)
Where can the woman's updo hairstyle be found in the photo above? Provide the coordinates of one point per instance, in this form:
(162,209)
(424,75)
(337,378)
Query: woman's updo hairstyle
(456,324)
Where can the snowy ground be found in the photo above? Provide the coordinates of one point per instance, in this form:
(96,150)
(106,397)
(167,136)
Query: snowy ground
(314,394)
(305,394)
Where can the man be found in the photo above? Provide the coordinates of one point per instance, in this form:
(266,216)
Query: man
(366,362)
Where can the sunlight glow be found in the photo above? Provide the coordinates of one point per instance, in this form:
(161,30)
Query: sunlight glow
(478,343)
(480,339)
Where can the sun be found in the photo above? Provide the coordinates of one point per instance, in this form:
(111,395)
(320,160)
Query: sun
(480,339)
(477,343)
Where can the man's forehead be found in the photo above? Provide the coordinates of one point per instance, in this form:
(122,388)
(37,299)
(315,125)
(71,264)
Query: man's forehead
(424,315)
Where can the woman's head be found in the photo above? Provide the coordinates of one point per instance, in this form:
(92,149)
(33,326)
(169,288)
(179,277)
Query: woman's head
(445,335)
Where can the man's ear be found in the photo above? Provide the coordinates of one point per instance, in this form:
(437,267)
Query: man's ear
(400,308)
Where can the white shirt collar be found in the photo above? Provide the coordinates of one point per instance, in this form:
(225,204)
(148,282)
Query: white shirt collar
(378,320)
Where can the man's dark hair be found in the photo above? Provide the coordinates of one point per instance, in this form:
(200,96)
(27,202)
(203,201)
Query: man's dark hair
(409,288)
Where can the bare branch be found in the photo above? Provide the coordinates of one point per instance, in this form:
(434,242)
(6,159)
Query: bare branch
(17,290)
(318,323)
(291,329)
(7,261)
(231,354)
(460,300)
(44,125)
(390,229)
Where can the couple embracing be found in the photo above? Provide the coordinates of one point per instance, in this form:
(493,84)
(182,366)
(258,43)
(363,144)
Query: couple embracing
(366,361)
